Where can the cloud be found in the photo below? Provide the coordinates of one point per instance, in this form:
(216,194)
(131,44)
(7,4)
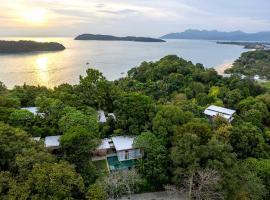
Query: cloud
(137,17)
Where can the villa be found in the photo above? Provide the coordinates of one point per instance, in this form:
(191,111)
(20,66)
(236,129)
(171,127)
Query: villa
(213,111)
(34,111)
(52,142)
(118,153)
(102,117)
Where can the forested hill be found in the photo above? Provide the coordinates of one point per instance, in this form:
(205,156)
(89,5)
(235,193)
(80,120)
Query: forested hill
(253,63)
(217,35)
(114,38)
(161,104)
(28,46)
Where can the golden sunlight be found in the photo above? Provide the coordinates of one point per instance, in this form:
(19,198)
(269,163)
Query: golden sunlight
(42,71)
(42,63)
(35,16)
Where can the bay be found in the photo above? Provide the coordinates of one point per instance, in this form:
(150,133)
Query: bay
(112,58)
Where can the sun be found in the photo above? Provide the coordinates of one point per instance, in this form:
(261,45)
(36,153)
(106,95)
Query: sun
(36,16)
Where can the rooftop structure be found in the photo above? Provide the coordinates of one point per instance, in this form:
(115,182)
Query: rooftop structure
(33,110)
(123,142)
(101,116)
(213,111)
(52,142)
(118,152)
(37,139)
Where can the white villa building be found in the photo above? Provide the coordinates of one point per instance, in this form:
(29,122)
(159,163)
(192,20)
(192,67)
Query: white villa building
(102,118)
(213,111)
(52,142)
(118,152)
(34,110)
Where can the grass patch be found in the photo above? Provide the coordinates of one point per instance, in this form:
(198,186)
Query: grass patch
(101,166)
(266,84)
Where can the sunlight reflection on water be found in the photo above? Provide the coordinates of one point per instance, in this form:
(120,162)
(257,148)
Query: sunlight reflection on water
(42,74)
(113,58)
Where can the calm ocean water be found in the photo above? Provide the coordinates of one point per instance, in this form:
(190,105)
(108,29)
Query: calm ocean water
(112,58)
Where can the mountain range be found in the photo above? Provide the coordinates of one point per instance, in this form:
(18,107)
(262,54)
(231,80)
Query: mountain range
(218,35)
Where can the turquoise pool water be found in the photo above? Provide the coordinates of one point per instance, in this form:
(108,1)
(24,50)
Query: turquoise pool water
(115,164)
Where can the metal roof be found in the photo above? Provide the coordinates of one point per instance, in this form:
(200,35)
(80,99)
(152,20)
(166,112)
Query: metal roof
(123,142)
(37,139)
(112,115)
(52,141)
(33,110)
(216,110)
(104,144)
(101,116)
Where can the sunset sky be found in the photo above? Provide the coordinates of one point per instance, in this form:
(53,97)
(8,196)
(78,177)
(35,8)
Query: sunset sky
(130,17)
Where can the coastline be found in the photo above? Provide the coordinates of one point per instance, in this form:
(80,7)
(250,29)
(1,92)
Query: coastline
(221,68)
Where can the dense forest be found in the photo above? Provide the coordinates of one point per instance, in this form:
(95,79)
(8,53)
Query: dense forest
(162,104)
(253,63)
(23,46)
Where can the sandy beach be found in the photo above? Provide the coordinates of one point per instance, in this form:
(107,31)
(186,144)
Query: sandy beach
(221,68)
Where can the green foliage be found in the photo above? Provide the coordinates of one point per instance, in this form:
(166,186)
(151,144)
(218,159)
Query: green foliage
(5,113)
(3,88)
(134,113)
(96,192)
(21,118)
(242,183)
(9,102)
(154,165)
(72,117)
(195,146)
(167,119)
(252,63)
(28,94)
(248,141)
(95,91)
(12,142)
(54,181)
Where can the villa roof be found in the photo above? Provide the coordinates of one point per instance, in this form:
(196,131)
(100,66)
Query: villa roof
(37,139)
(33,110)
(216,110)
(104,144)
(123,142)
(101,116)
(52,141)
(112,115)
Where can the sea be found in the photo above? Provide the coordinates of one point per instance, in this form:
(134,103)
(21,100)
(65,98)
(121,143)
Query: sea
(113,58)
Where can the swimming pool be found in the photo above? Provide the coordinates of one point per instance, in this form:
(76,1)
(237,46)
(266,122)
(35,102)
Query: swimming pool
(115,164)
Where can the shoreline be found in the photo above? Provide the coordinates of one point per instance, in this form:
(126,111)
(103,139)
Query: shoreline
(221,68)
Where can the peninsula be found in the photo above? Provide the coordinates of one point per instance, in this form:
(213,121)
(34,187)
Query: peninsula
(115,38)
(249,45)
(24,46)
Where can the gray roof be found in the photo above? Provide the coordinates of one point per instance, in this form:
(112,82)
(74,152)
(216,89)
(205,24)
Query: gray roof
(104,144)
(101,116)
(216,110)
(52,141)
(37,139)
(33,110)
(123,142)
(112,115)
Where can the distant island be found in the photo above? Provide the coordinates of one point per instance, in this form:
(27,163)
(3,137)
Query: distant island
(114,38)
(217,35)
(24,46)
(249,45)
